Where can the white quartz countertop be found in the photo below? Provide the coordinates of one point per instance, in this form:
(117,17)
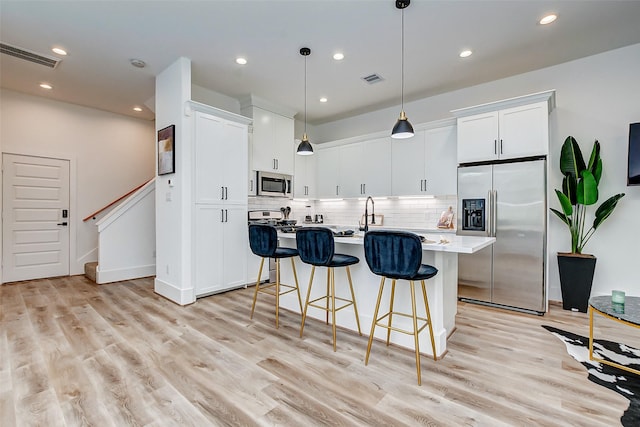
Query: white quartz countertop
(444,242)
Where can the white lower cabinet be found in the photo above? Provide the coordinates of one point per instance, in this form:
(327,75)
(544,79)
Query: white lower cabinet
(220,252)
(425,164)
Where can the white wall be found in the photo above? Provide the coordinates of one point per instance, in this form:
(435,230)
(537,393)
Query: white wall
(110,155)
(597,98)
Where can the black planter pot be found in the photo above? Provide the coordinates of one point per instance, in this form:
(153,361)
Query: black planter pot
(576,278)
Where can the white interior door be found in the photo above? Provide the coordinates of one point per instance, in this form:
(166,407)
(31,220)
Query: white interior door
(35,217)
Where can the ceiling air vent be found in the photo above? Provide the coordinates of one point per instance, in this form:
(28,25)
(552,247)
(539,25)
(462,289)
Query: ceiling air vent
(27,55)
(372,78)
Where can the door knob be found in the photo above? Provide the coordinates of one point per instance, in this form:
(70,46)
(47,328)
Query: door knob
(62,223)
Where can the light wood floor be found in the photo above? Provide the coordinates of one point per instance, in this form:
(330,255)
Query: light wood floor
(75,353)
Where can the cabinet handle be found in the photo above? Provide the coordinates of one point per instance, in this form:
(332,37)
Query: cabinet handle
(226,215)
(226,193)
(495,146)
(422,185)
(337,190)
(425,185)
(500,146)
(221,193)
(364,188)
(250,185)
(221,215)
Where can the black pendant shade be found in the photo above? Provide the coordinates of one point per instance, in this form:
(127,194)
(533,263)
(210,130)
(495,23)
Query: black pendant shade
(305,148)
(402,128)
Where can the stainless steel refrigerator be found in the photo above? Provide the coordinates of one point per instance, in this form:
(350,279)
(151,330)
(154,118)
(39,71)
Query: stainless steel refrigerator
(506,201)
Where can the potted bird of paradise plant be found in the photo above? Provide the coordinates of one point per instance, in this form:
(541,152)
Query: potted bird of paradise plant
(579,191)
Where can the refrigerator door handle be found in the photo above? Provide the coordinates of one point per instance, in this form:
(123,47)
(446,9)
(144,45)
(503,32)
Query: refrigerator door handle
(494,227)
(489,219)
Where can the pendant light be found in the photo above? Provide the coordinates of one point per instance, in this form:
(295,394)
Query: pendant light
(305,148)
(403,128)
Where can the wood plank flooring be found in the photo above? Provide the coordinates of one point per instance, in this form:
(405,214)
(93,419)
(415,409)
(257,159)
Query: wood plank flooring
(73,353)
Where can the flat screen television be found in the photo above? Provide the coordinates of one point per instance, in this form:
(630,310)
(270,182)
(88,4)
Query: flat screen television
(633,170)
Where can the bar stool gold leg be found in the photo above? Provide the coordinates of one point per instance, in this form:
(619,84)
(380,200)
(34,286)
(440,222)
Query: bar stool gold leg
(277,292)
(415,330)
(327,294)
(306,304)
(375,320)
(295,276)
(393,295)
(426,306)
(333,306)
(353,298)
(255,293)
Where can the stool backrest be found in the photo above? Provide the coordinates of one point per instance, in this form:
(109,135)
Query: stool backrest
(315,245)
(263,239)
(394,254)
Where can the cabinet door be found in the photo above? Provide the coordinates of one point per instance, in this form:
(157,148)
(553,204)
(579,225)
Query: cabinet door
(375,164)
(233,154)
(208,251)
(407,165)
(209,168)
(328,173)
(478,137)
(352,166)
(524,131)
(284,144)
(440,161)
(236,241)
(304,180)
(263,140)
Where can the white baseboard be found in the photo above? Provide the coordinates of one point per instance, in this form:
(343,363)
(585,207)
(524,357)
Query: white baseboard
(117,275)
(173,293)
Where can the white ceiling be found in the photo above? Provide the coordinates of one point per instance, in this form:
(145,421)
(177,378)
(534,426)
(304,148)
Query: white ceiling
(102,36)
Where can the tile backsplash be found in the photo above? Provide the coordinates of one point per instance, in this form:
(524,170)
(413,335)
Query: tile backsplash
(398,212)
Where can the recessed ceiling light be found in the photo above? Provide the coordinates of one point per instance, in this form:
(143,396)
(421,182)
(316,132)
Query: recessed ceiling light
(241,61)
(138,109)
(548,19)
(59,51)
(465,53)
(138,63)
(323,99)
(46,86)
(338,56)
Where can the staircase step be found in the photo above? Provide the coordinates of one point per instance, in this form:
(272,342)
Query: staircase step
(90,269)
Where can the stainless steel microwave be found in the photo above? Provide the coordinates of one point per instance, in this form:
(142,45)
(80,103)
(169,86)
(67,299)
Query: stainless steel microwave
(274,184)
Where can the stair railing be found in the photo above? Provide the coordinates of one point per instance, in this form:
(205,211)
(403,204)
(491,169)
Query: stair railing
(96,213)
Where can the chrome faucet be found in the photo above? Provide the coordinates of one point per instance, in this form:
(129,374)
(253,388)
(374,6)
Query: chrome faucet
(366,214)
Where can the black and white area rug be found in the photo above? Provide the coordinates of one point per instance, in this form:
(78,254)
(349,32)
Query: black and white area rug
(618,380)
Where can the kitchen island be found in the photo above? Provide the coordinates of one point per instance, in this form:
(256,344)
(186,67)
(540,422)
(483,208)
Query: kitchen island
(442,290)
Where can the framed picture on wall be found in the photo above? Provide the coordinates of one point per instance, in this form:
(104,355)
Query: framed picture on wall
(166,150)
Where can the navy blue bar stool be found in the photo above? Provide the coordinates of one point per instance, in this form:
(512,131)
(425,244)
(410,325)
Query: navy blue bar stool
(263,240)
(317,247)
(398,255)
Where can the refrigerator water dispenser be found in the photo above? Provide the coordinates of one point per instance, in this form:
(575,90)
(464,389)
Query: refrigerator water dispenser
(473,214)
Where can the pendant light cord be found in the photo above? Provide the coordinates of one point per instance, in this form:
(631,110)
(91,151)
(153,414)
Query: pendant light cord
(305,94)
(402,63)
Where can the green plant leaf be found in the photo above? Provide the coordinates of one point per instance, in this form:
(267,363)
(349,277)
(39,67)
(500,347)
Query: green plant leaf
(565,202)
(587,191)
(569,185)
(571,160)
(605,209)
(564,218)
(595,162)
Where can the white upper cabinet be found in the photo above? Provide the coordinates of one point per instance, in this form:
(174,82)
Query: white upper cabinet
(517,127)
(328,172)
(425,164)
(220,160)
(375,162)
(273,141)
(304,179)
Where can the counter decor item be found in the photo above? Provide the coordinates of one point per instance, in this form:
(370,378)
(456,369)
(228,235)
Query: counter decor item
(579,191)
(617,297)
(446,218)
